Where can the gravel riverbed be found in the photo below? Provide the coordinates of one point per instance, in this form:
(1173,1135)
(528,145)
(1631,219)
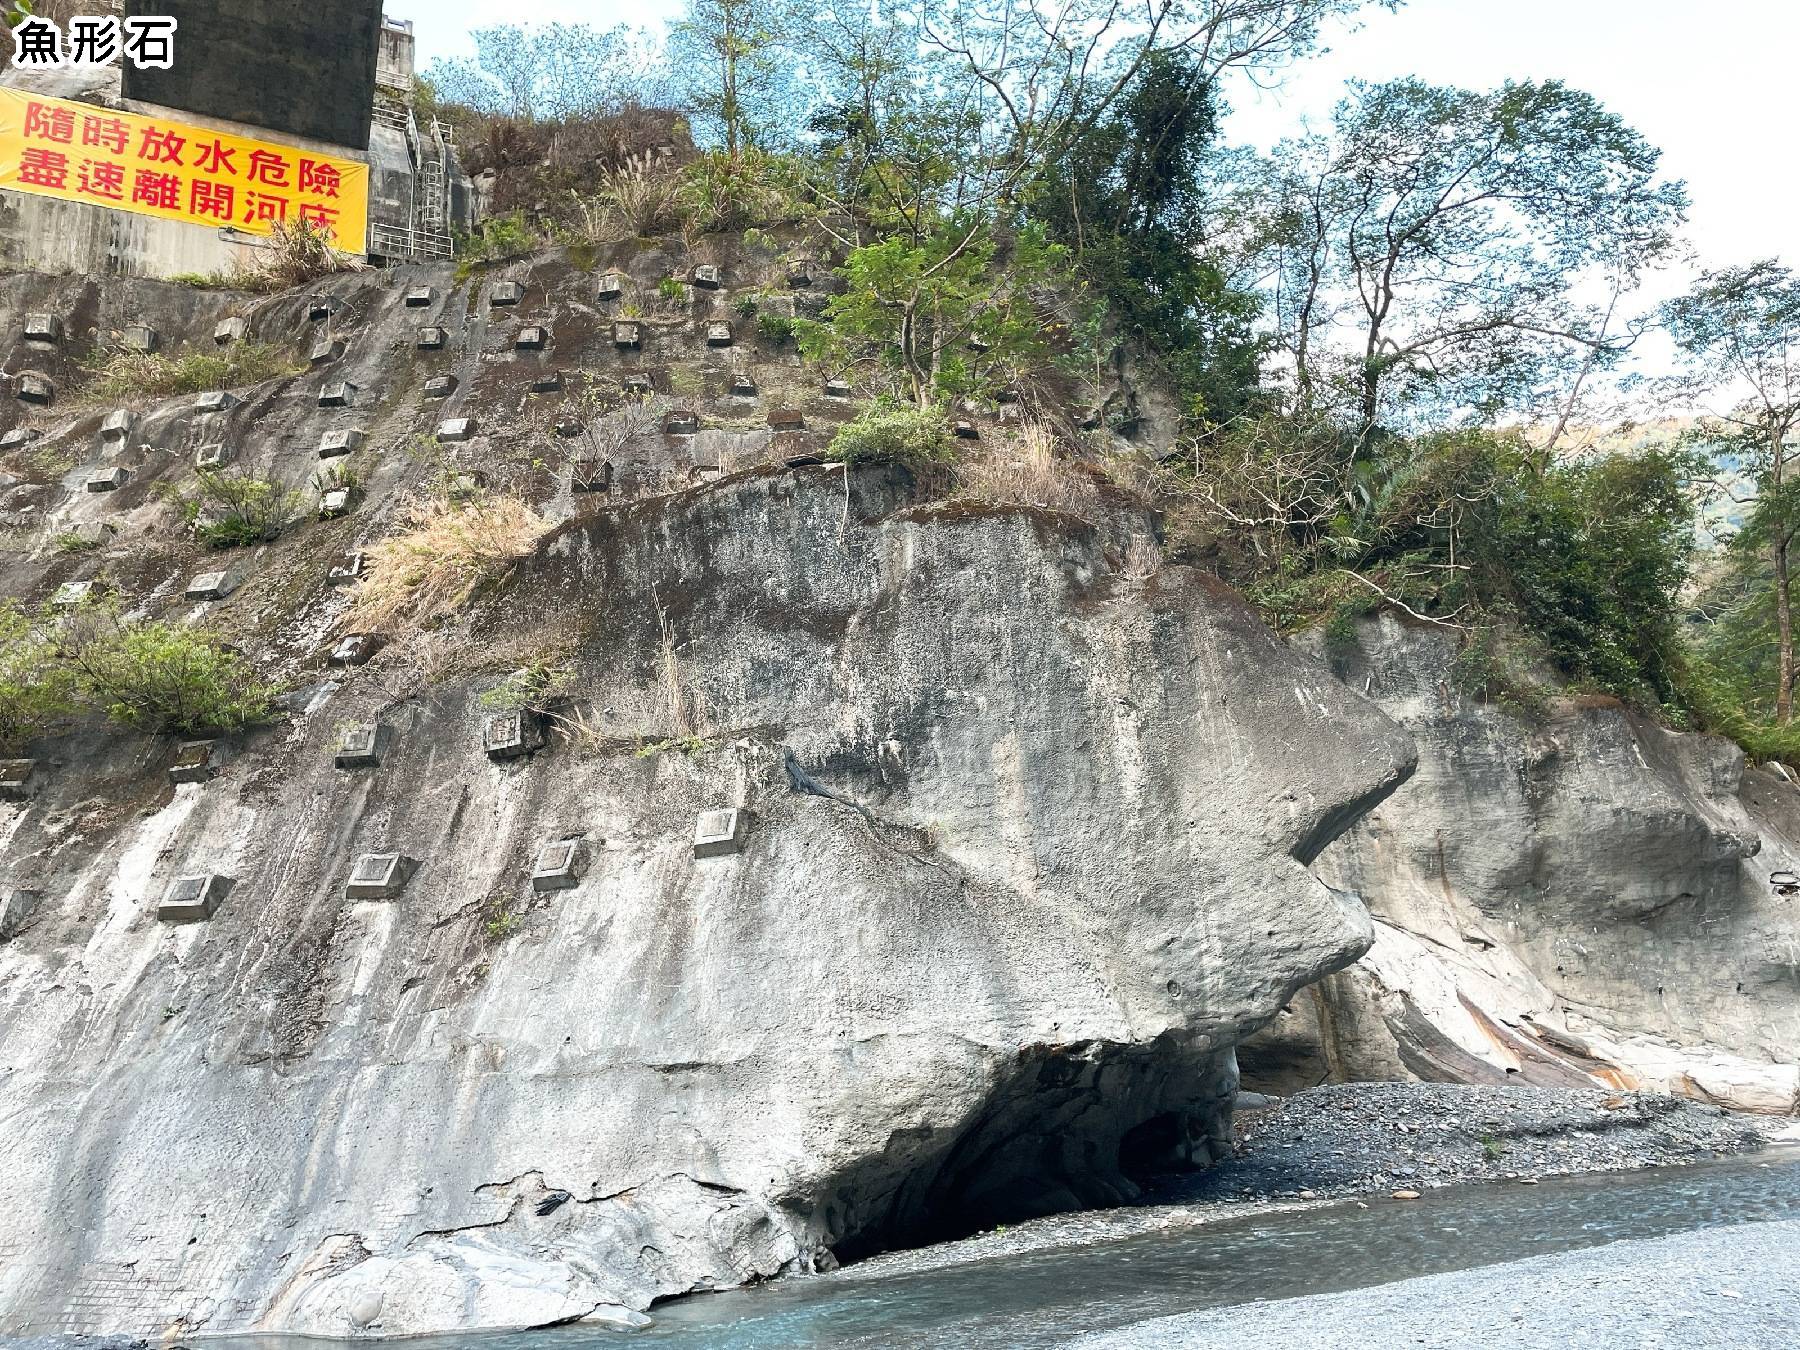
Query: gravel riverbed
(1713,1288)
(1373,1139)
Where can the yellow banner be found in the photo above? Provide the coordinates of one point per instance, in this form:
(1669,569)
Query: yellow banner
(155,167)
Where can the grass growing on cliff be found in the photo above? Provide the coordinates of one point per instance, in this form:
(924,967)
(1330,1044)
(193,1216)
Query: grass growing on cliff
(1026,470)
(127,375)
(424,574)
(899,435)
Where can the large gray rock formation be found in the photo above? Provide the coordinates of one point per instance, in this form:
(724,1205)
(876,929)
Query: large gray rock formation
(1582,896)
(1089,789)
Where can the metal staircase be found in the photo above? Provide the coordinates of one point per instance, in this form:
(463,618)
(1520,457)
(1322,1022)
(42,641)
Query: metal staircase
(427,233)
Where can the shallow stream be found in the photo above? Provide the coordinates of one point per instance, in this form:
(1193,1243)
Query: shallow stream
(1044,1297)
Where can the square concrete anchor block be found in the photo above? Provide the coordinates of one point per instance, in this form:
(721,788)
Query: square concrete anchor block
(231,330)
(380,876)
(569,427)
(463,487)
(420,297)
(965,431)
(718,334)
(361,746)
(110,481)
(591,475)
(326,350)
(339,394)
(73,593)
(787,419)
(610,287)
(707,277)
(340,441)
(218,401)
(334,503)
(511,735)
(453,429)
(18,778)
(559,866)
(977,346)
(719,833)
(355,650)
(628,334)
(431,339)
(193,899)
(35,388)
(43,328)
(117,426)
(212,586)
(800,273)
(140,338)
(212,456)
(681,422)
(532,339)
(742,386)
(197,762)
(638,385)
(346,570)
(506,293)
(440,386)
(1006,396)
(16,907)
(549,383)
(19,436)
(837,389)
(323,306)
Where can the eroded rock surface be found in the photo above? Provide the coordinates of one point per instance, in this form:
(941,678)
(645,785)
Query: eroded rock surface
(1089,793)
(1582,899)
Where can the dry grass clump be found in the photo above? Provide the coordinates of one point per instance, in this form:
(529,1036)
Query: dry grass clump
(1023,468)
(425,574)
(299,252)
(638,196)
(125,375)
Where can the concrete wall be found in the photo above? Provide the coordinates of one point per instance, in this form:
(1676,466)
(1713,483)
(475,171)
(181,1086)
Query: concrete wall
(306,69)
(44,234)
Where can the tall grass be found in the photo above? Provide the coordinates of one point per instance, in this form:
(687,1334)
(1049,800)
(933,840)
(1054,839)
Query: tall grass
(423,575)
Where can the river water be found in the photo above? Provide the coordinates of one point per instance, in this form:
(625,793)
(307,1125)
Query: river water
(1044,1297)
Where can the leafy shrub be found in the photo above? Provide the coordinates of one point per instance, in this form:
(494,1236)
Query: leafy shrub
(775,328)
(905,435)
(238,510)
(35,691)
(155,676)
(125,375)
(498,238)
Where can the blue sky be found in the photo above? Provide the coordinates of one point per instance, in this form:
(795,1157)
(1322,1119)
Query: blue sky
(1711,83)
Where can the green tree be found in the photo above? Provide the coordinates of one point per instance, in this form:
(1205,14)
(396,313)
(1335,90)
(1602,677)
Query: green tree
(952,313)
(1739,331)
(732,62)
(1428,249)
(1128,200)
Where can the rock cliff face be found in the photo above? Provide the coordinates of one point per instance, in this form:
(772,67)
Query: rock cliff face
(1064,872)
(1585,898)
